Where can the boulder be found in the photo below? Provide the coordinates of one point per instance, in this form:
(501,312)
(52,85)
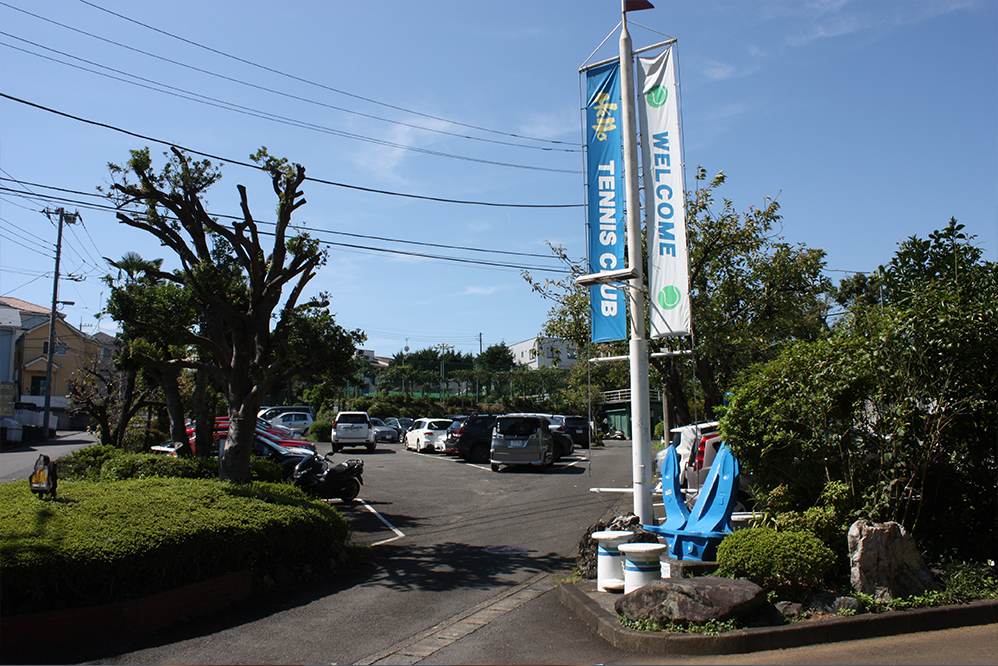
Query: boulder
(833,604)
(588,547)
(885,562)
(695,599)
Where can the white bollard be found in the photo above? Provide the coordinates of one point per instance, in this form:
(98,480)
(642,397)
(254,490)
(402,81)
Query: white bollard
(641,564)
(609,562)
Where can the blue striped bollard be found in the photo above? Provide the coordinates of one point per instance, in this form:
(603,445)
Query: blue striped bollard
(641,564)
(609,562)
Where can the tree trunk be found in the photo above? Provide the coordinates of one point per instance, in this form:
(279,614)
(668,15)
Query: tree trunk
(204,426)
(127,391)
(244,404)
(174,405)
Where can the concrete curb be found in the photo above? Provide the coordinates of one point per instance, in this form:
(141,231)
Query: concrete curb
(580,598)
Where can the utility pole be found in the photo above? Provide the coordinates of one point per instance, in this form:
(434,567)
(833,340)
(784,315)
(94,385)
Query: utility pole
(68,218)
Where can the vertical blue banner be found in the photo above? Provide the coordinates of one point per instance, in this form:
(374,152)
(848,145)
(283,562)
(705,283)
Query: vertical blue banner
(605,221)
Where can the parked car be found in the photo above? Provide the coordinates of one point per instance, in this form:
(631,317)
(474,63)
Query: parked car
(563,443)
(697,446)
(297,422)
(427,435)
(263,430)
(402,424)
(285,456)
(268,413)
(522,440)
(384,432)
(451,439)
(577,428)
(353,429)
(474,438)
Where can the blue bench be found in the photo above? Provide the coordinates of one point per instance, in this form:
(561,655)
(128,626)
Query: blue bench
(694,534)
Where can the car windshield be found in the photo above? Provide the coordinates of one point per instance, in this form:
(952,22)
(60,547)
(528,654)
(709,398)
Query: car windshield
(378,422)
(519,427)
(351,418)
(575,421)
(438,424)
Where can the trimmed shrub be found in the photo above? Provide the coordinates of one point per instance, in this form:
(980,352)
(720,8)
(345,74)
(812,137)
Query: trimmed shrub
(107,463)
(86,464)
(788,563)
(321,430)
(110,541)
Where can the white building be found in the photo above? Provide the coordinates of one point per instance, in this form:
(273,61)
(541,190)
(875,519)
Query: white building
(544,352)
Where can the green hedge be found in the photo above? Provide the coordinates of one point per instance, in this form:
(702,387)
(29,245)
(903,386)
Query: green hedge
(115,540)
(788,563)
(107,463)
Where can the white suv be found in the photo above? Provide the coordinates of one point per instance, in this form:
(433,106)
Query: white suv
(353,429)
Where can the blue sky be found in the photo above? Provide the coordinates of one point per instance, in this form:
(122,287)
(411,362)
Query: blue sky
(870,121)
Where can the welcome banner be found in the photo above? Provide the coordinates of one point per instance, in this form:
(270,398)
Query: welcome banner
(665,209)
(605,224)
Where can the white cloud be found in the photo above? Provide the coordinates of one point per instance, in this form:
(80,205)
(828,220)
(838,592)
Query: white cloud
(482,291)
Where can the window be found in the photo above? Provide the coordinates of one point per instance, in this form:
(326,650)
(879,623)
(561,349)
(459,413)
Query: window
(61,348)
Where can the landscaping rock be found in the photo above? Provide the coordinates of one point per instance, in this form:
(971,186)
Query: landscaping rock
(588,546)
(788,608)
(885,562)
(833,604)
(695,599)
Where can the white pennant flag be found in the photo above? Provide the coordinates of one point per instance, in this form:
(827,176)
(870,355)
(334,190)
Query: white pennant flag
(665,209)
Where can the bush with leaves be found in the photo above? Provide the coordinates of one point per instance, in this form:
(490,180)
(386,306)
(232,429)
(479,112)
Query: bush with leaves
(109,463)
(787,563)
(321,430)
(111,541)
(899,403)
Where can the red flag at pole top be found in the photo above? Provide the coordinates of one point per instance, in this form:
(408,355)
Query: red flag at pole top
(636,5)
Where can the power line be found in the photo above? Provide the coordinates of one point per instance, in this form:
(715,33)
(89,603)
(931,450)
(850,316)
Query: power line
(256,113)
(287,95)
(352,247)
(301,227)
(259,168)
(313,83)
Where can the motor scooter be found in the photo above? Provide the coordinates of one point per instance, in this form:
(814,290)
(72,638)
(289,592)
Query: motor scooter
(321,476)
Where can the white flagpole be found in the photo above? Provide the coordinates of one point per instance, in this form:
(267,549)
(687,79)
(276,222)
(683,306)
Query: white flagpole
(641,459)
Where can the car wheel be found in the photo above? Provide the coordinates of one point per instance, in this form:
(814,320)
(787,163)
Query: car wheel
(495,467)
(371,447)
(350,491)
(337,448)
(480,453)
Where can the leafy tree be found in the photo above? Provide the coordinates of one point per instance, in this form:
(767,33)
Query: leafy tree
(751,294)
(111,397)
(497,356)
(236,285)
(899,402)
(153,315)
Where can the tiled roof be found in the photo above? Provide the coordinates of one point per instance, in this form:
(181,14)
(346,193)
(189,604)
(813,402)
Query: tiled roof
(24,306)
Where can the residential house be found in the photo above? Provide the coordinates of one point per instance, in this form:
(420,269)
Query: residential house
(72,351)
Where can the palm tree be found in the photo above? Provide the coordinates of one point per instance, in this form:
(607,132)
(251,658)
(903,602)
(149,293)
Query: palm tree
(134,266)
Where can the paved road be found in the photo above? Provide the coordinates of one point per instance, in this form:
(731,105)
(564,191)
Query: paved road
(464,569)
(17,462)
(457,546)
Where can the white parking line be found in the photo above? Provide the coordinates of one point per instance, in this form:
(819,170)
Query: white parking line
(397,531)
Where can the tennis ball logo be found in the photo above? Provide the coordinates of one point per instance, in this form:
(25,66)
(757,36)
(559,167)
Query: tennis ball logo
(657,96)
(669,297)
